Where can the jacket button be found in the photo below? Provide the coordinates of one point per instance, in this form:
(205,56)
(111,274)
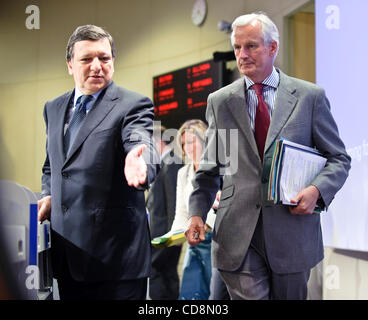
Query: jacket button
(258,206)
(264,180)
(64,208)
(65,175)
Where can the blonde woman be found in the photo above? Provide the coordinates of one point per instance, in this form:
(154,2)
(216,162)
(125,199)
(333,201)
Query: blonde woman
(197,262)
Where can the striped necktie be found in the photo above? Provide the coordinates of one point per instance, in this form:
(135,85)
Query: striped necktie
(75,123)
(262,121)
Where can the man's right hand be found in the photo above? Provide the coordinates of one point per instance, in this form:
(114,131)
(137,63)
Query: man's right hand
(44,208)
(135,169)
(195,232)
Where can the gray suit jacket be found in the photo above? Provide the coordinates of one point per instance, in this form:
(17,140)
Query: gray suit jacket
(99,223)
(302,114)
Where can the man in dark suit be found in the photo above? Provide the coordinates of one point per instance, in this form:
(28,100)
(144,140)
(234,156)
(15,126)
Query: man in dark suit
(161,203)
(100,158)
(264,251)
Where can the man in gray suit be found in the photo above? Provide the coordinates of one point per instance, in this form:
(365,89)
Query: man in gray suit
(264,251)
(100,158)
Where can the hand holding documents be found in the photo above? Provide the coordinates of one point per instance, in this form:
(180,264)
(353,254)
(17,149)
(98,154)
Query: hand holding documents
(293,168)
(169,239)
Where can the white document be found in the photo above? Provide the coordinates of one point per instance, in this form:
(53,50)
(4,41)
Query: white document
(298,170)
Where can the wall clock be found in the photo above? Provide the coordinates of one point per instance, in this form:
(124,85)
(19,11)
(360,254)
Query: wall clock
(199,12)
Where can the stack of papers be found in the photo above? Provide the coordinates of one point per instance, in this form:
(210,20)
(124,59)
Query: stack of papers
(293,168)
(169,239)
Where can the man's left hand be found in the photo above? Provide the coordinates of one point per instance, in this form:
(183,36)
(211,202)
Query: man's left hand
(135,169)
(306,200)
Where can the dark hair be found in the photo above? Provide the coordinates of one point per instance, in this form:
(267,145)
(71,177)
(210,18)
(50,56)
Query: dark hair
(88,32)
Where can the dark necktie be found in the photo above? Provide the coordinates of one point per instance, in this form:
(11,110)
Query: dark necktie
(262,121)
(75,123)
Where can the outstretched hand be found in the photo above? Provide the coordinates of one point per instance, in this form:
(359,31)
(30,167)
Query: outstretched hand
(135,169)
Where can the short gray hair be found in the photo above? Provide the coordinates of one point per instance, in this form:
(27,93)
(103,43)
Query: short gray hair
(269,29)
(88,32)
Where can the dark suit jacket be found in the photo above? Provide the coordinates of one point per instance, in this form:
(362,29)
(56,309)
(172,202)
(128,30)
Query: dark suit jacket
(99,223)
(161,203)
(161,198)
(302,114)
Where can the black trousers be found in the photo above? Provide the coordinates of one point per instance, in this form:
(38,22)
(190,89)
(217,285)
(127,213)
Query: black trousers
(164,280)
(70,289)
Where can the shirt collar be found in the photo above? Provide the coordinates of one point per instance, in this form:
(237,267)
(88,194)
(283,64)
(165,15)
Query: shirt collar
(78,93)
(272,80)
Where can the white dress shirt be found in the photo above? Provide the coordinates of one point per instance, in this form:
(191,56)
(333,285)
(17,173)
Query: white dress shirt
(184,188)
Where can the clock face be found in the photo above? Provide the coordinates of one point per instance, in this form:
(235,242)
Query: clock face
(199,12)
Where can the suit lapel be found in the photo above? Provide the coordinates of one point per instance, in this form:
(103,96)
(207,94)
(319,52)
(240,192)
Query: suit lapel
(103,105)
(284,106)
(61,114)
(238,108)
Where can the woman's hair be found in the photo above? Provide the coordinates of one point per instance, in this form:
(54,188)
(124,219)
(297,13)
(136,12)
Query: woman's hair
(195,126)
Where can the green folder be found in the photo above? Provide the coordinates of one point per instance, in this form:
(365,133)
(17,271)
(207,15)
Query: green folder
(169,239)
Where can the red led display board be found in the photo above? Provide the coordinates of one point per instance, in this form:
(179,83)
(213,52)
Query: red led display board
(182,94)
